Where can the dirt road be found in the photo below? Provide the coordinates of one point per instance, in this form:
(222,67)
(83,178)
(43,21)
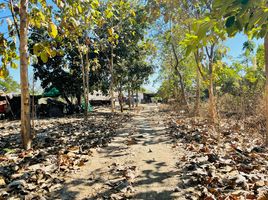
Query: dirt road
(140,163)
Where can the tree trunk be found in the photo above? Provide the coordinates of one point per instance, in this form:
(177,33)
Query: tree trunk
(87,82)
(137,98)
(25,97)
(129,99)
(112,80)
(67,99)
(133,100)
(183,95)
(120,99)
(33,110)
(84,87)
(78,97)
(197,95)
(212,105)
(266,85)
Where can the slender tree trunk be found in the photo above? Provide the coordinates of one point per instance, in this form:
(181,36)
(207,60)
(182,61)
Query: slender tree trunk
(266,85)
(133,100)
(112,80)
(183,95)
(25,97)
(212,105)
(197,95)
(243,110)
(84,87)
(129,99)
(67,99)
(120,99)
(78,97)
(33,109)
(87,82)
(137,98)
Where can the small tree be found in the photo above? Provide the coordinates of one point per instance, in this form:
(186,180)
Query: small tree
(250,17)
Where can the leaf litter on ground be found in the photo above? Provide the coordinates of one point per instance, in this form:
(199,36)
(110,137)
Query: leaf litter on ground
(223,162)
(60,147)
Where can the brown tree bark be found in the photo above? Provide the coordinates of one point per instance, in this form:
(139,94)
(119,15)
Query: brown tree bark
(137,98)
(87,83)
(266,85)
(129,98)
(133,99)
(120,99)
(196,110)
(112,80)
(183,95)
(212,106)
(25,97)
(197,95)
(84,87)
(78,97)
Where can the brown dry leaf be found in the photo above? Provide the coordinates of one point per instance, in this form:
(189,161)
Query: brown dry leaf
(261,183)
(3,158)
(64,160)
(263,196)
(131,141)
(81,163)
(74,149)
(2,181)
(251,196)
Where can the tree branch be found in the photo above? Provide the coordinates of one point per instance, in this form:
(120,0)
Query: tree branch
(14,18)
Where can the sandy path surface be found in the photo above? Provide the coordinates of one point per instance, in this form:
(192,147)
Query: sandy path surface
(140,163)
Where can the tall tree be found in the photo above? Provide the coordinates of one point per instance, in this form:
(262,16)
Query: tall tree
(38,15)
(250,17)
(25,96)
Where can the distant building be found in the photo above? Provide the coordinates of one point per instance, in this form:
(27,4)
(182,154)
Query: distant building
(98,95)
(149,97)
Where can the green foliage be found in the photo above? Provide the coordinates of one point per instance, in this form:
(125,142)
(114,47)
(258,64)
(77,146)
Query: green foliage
(40,16)
(248,16)
(260,57)
(8,85)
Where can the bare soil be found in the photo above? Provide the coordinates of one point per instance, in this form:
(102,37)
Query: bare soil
(139,163)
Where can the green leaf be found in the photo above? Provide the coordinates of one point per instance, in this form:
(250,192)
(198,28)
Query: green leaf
(132,12)
(230,21)
(79,8)
(44,56)
(53,53)
(3,73)
(109,14)
(189,50)
(52,30)
(37,48)
(244,2)
(13,65)
(111,31)
(95,4)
